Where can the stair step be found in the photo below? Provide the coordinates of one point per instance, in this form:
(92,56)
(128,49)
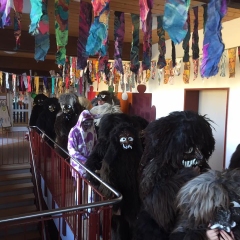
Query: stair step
(17,176)
(11,167)
(15,187)
(19,198)
(21,236)
(8,212)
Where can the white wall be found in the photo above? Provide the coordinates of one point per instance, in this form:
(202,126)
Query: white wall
(168,98)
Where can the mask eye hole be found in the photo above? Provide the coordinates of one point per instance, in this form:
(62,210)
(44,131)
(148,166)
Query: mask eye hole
(123,139)
(189,150)
(130,139)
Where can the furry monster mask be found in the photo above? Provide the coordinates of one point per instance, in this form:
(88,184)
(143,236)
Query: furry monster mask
(173,142)
(211,199)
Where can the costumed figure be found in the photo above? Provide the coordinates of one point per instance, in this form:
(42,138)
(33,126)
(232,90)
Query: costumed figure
(37,108)
(177,149)
(119,170)
(66,119)
(107,102)
(107,97)
(235,159)
(209,201)
(47,117)
(81,140)
(108,122)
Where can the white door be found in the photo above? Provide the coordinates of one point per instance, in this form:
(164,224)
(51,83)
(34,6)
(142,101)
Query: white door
(213,103)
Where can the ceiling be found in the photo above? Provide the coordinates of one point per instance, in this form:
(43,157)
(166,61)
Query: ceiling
(126,6)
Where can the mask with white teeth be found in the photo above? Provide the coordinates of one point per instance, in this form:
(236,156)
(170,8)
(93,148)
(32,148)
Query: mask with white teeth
(126,139)
(192,157)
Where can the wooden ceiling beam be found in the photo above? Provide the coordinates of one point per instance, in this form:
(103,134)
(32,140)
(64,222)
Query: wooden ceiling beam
(7,43)
(231,3)
(26,62)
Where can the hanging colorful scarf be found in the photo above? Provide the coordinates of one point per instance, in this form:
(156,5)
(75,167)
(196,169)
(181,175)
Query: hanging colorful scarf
(161,43)
(45,84)
(222,64)
(232,61)
(134,55)
(42,42)
(160,74)
(29,89)
(145,8)
(147,39)
(102,64)
(85,20)
(7,80)
(98,36)
(18,7)
(61,29)
(195,37)
(25,80)
(195,44)
(14,80)
(175,19)
(185,43)
(178,67)
(1,79)
(5,13)
(36,84)
(173,54)
(186,72)
(35,16)
(213,46)
(153,69)
(168,69)
(119,31)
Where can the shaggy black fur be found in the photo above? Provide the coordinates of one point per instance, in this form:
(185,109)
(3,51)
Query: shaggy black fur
(108,122)
(37,108)
(119,170)
(64,122)
(47,118)
(235,159)
(162,173)
(212,190)
(142,123)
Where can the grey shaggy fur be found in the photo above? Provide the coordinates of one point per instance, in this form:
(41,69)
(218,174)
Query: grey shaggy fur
(199,199)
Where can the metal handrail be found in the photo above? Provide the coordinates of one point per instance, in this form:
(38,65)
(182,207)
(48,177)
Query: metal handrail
(66,209)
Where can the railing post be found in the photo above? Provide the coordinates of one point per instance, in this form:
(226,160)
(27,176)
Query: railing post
(107,217)
(78,202)
(63,178)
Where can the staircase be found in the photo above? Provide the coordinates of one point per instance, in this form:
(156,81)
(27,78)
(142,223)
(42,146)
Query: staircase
(17,197)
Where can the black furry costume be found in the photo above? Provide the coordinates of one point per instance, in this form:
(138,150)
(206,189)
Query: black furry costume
(211,198)
(108,97)
(37,108)
(47,118)
(235,159)
(107,123)
(119,170)
(66,119)
(169,141)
